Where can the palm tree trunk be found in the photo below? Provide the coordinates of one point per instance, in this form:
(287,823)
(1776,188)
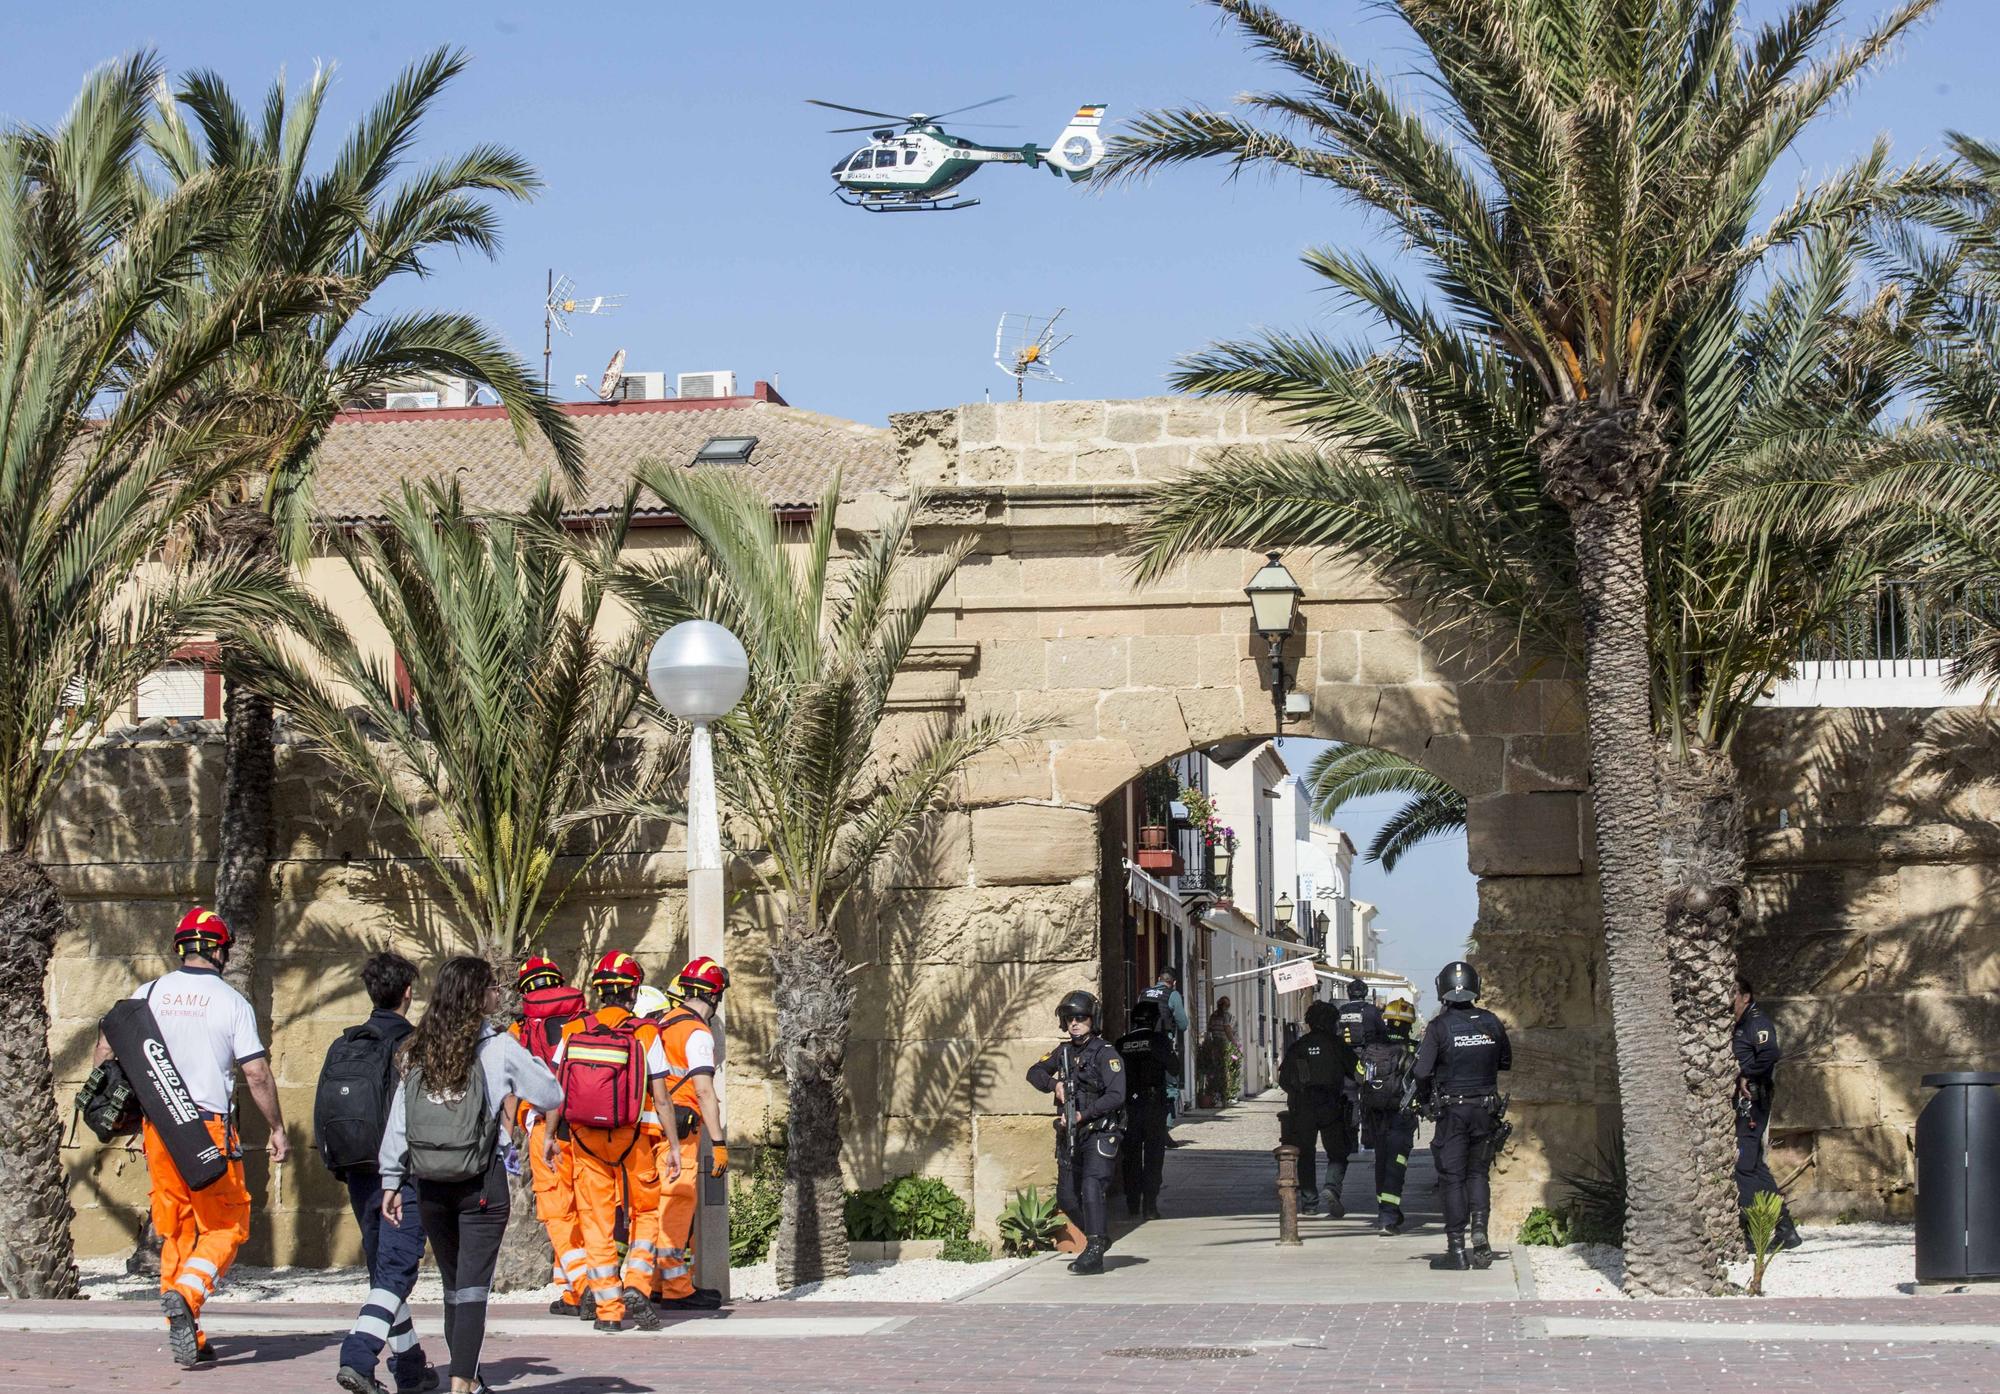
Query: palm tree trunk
(38,1258)
(1663,1230)
(1703,857)
(815,1001)
(249,770)
(526,1261)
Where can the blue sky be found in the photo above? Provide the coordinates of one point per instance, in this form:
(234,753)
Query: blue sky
(686,172)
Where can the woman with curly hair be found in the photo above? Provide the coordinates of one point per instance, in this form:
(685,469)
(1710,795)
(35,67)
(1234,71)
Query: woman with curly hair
(455,1059)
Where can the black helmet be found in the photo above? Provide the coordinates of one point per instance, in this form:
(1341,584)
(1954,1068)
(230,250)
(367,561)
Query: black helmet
(1323,1017)
(1145,1015)
(1077,1004)
(1356,990)
(1458,982)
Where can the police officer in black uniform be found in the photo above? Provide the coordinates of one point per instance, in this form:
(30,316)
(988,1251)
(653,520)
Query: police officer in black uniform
(1150,1062)
(1316,1074)
(1755,1042)
(1360,1019)
(1088,1079)
(1458,1082)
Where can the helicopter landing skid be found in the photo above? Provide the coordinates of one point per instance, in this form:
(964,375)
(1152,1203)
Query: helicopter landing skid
(903,205)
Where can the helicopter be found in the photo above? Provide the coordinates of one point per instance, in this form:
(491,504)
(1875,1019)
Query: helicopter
(917,169)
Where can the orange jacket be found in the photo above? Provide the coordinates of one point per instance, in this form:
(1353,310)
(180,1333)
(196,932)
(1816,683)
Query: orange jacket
(675,1033)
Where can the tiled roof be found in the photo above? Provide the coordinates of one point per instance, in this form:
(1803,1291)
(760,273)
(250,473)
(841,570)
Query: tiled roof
(368,454)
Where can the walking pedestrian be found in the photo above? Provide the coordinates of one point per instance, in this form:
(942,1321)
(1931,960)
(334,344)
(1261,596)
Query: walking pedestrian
(617,1109)
(194,1159)
(1458,1079)
(1388,1079)
(1088,1080)
(688,1038)
(443,1132)
(350,1115)
(1754,1039)
(548,1005)
(1151,1061)
(1314,1074)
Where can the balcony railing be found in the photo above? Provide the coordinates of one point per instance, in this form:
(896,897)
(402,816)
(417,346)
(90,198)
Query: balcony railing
(1894,649)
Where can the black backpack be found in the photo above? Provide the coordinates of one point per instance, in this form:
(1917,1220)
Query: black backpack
(1385,1074)
(1317,1063)
(355,1087)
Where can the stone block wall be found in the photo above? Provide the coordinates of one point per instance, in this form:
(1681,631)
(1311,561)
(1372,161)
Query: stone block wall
(1875,937)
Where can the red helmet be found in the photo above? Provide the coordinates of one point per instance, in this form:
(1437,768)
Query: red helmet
(538,972)
(617,969)
(202,931)
(703,975)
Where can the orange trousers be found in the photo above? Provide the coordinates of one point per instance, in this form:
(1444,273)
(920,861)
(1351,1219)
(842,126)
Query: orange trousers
(200,1231)
(678,1199)
(607,1187)
(555,1207)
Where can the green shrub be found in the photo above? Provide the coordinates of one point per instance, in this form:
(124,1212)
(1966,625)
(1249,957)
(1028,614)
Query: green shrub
(1544,1228)
(966,1251)
(1029,1224)
(1761,1217)
(754,1204)
(1596,1208)
(910,1207)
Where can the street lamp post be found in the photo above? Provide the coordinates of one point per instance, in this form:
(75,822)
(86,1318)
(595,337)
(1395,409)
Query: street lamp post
(1274,609)
(698,671)
(1281,914)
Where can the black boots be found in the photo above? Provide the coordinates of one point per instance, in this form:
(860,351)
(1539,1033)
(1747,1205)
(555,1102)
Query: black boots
(1152,1210)
(1482,1251)
(1454,1258)
(1091,1260)
(1788,1233)
(1389,1219)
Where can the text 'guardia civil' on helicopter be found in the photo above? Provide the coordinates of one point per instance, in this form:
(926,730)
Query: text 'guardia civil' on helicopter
(916,170)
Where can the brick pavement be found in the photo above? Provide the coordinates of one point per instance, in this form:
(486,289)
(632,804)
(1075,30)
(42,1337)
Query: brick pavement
(1496,1348)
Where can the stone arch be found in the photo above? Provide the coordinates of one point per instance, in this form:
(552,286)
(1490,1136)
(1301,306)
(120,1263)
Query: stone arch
(1045,622)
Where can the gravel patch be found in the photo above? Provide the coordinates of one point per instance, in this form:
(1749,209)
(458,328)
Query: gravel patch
(1862,1260)
(911,1280)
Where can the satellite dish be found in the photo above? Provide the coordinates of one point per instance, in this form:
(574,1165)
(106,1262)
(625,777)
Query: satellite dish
(614,375)
(1023,346)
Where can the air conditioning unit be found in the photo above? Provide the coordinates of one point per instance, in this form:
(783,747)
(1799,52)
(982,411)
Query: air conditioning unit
(641,387)
(412,401)
(706,385)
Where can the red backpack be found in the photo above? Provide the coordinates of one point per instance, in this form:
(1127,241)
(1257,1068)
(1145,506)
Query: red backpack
(603,1075)
(543,1012)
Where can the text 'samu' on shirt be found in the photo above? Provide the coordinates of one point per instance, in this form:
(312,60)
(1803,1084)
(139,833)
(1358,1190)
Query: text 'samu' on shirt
(209,1030)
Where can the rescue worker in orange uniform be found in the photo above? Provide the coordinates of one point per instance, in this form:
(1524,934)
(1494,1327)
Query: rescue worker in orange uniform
(210,1032)
(554,1181)
(689,1040)
(616,1169)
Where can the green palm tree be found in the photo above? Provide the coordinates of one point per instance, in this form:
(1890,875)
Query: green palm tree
(1342,773)
(363,221)
(1583,226)
(113,438)
(802,764)
(500,736)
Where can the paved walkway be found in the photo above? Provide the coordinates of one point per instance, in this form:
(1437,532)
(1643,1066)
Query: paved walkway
(1219,1240)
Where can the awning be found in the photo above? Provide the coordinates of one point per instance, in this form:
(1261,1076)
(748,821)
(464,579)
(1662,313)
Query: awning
(1155,895)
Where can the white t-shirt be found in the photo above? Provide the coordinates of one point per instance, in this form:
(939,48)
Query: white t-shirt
(209,1030)
(700,1052)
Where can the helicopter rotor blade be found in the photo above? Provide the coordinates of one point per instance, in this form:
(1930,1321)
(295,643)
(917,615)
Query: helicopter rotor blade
(850,130)
(857,110)
(939,116)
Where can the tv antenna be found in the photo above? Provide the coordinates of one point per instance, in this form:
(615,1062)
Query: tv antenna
(563,302)
(614,377)
(1023,346)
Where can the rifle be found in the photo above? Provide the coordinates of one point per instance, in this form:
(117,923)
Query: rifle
(1068,1077)
(1497,1139)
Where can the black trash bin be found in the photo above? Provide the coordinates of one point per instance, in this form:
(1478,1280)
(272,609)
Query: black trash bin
(1958,1178)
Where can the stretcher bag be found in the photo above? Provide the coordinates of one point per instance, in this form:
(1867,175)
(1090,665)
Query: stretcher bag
(135,1040)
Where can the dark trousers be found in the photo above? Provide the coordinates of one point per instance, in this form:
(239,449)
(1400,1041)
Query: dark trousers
(1312,1123)
(465,1221)
(1460,1149)
(1753,1171)
(1144,1155)
(1083,1175)
(1394,1132)
(394,1254)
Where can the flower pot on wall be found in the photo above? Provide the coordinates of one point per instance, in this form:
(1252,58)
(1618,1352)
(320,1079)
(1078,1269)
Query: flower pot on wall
(1153,837)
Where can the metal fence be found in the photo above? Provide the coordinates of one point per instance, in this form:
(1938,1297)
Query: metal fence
(1905,629)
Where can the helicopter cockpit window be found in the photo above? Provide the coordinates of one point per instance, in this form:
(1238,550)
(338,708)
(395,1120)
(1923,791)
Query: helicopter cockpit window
(840,165)
(910,156)
(863,159)
(885,159)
